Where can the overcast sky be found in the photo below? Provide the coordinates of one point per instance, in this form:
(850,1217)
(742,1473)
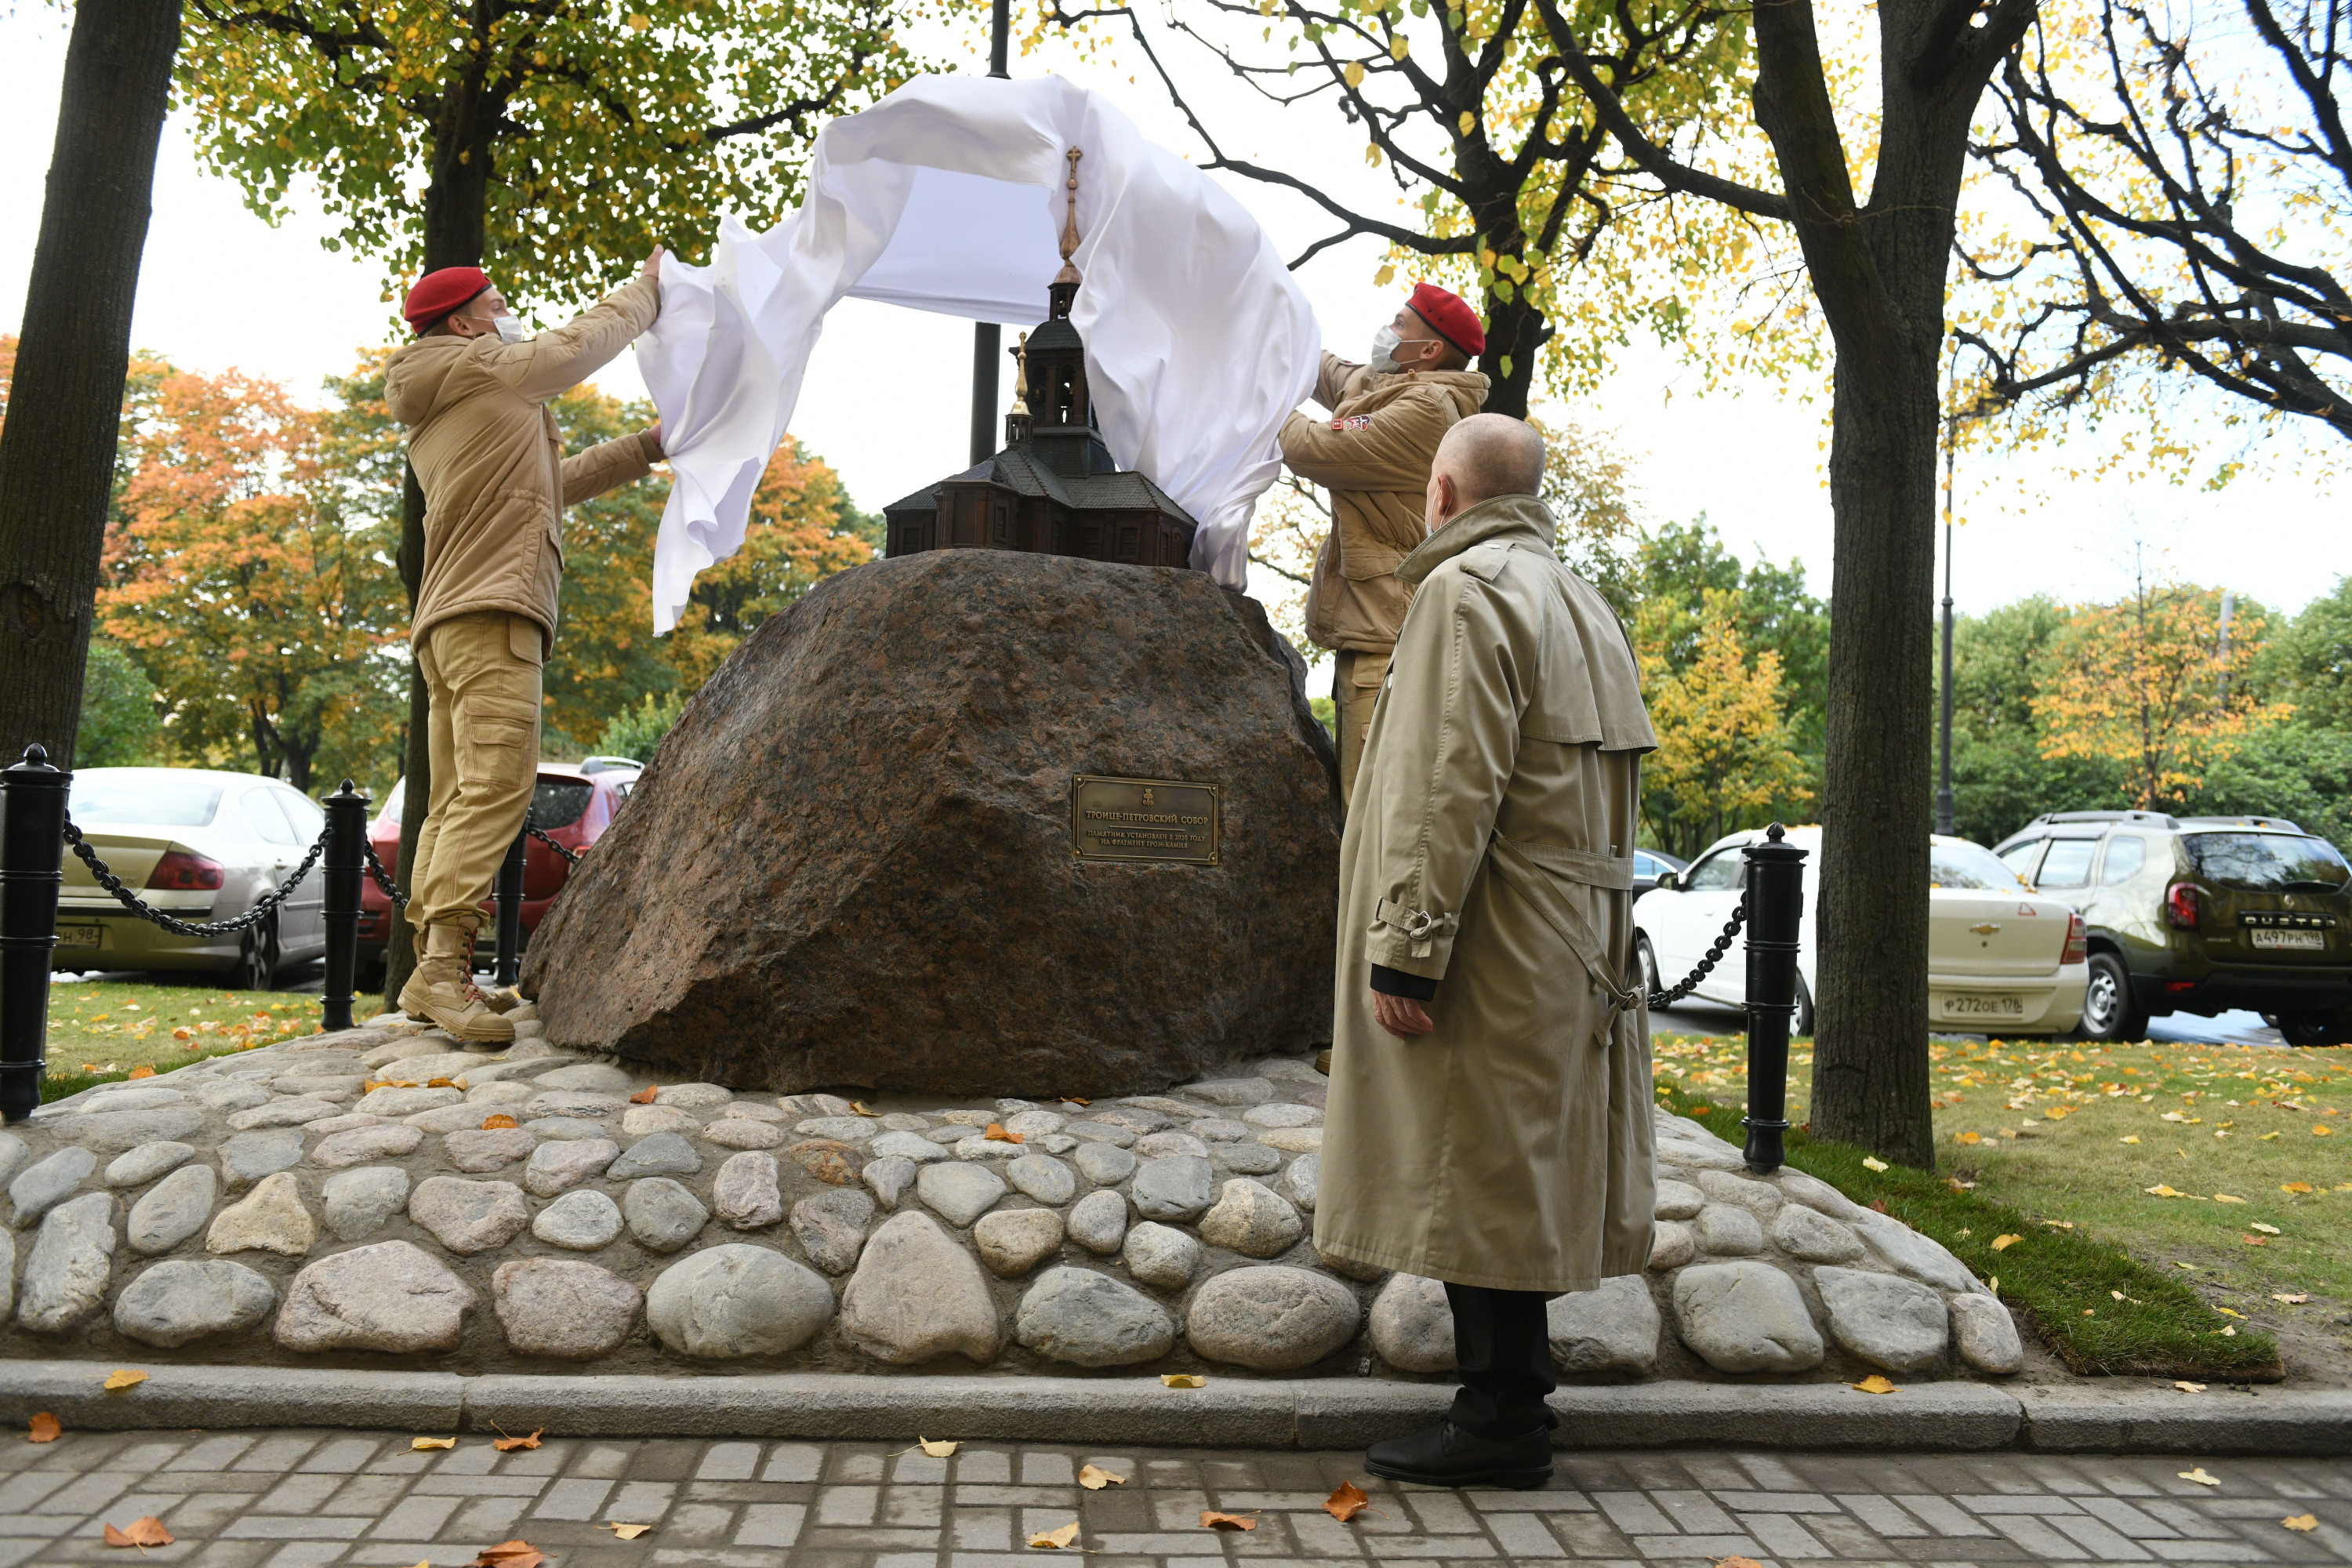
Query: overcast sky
(221,289)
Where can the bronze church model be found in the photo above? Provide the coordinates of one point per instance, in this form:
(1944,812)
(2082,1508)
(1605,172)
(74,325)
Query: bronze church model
(1054,488)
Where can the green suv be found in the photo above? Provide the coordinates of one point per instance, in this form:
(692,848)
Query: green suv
(2199,914)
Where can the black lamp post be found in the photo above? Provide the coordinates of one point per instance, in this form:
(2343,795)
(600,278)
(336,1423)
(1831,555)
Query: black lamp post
(987,337)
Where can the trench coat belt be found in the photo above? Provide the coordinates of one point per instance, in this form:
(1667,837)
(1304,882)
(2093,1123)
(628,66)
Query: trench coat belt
(1527,867)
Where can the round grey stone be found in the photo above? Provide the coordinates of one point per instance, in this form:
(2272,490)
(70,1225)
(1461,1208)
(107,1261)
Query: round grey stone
(1013,1241)
(173,1210)
(656,1154)
(578,1222)
(119,1132)
(232,1096)
(889,1177)
(1219,1130)
(1029,1124)
(144,1164)
(830,1227)
(1099,1222)
(1412,1325)
(113,1102)
(1678,1199)
(1283,1114)
(644,1120)
(1246,1158)
(662,1215)
(446,1118)
(500,1091)
(389,1296)
(362,1145)
(337,1087)
(1103,1165)
(14,1152)
(1887,1321)
(1920,1257)
(992,1150)
(484,1149)
(1229,1090)
(568,1129)
(1161,1145)
(391,1102)
(1292,1140)
(1161,1255)
(692,1096)
(737,1300)
(978,1120)
(175,1303)
(1042,1177)
(1816,1194)
(468,1217)
(907,1146)
(1145,1113)
(845,1129)
(1175,1187)
(1745,1317)
(1985,1334)
(359,1202)
(1740,1190)
(1092,1132)
(739,1133)
(1723,1231)
(1271,1319)
(72,1259)
(1615,1328)
(575,1103)
(959,1194)
(746,1194)
(593,1078)
(1805,1233)
(917,1296)
(1253,1220)
(1671,1245)
(270,1218)
(1086,1318)
(561,1306)
(1301,1179)
(249,1156)
(555,1168)
(953,1134)
(42,1186)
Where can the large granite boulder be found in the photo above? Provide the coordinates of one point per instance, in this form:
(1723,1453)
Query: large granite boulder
(852,861)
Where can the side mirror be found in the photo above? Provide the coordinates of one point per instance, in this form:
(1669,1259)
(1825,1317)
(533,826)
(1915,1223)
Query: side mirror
(1667,881)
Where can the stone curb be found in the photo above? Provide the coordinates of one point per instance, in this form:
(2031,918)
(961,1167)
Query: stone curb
(1237,1413)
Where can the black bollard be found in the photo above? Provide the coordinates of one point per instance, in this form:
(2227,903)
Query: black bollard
(32,858)
(1776,902)
(508,890)
(347,815)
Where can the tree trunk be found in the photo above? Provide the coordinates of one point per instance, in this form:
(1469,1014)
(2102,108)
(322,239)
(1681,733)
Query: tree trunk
(65,405)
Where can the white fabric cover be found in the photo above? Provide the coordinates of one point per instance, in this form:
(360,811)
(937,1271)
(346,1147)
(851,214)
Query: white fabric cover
(947,196)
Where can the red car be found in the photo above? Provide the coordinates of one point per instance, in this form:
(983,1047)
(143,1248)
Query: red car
(572,807)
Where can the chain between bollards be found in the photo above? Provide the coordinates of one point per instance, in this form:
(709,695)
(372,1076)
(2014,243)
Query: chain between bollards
(1775,904)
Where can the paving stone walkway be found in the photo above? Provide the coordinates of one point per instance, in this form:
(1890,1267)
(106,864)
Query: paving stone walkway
(299,1499)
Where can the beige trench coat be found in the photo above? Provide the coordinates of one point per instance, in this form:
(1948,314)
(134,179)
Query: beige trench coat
(1490,848)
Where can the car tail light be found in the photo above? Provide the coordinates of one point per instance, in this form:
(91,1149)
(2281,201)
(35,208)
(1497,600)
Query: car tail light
(179,871)
(2180,906)
(2077,947)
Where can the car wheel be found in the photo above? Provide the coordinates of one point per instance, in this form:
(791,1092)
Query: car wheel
(2310,1029)
(1649,961)
(2110,1011)
(257,957)
(1803,1024)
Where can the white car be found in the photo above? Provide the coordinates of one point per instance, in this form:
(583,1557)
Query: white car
(199,846)
(2000,957)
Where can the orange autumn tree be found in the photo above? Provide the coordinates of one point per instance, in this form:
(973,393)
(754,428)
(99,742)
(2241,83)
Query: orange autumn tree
(253,595)
(2147,684)
(1726,750)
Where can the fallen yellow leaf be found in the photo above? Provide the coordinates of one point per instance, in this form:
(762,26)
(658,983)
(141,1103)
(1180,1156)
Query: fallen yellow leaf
(862,1108)
(497,1119)
(2301,1522)
(1182,1380)
(2187,1387)
(2164,1190)
(1346,1501)
(1053,1539)
(1970,1138)
(515,1554)
(1211,1519)
(2295,1186)
(2231,1313)
(415,1443)
(439,1083)
(2003,1243)
(506,1445)
(1873,1162)
(2266,1137)
(1875,1384)
(2133,1138)
(143,1533)
(44,1428)
(141,1070)
(123,1377)
(646,1095)
(937,1451)
(2296,1300)
(2265,1230)
(1992,1283)
(2227,1198)
(997,1135)
(1094,1478)
(626,1532)
(2200,1477)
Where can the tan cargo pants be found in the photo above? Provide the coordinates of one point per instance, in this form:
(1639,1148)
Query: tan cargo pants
(482,672)
(1355,688)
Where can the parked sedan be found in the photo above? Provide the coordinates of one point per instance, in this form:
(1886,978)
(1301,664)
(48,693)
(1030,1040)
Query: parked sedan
(2000,957)
(199,846)
(572,808)
(1649,865)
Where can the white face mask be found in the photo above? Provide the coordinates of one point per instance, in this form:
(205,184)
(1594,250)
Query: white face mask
(1385,345)
(510,330)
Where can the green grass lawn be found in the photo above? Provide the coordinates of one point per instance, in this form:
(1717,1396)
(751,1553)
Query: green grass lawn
(2220,1166)
(99,1032)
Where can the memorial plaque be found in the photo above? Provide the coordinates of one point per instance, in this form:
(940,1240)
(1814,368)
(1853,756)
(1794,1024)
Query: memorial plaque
(1144,819)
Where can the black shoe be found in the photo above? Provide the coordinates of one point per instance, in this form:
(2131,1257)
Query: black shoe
(1446,1456)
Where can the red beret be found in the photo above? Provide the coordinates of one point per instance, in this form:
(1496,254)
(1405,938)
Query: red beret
(438,293)
(1448,315)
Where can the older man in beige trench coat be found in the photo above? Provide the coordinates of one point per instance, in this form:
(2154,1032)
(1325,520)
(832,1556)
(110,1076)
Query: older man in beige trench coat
(1489,1115)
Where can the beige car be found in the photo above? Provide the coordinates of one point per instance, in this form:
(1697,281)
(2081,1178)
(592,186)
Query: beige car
(2001,959)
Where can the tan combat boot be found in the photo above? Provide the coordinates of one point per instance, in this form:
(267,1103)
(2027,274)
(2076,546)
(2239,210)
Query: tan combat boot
(442,988)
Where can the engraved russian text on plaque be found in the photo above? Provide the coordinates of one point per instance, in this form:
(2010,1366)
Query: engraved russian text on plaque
(1144,819)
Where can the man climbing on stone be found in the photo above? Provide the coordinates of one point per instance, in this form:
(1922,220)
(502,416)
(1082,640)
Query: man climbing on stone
(1371,457)
(473,391)
(1490,1115)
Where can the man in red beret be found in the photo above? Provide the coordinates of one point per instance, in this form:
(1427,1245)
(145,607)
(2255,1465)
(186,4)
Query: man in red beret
(473,390)
(1372,458)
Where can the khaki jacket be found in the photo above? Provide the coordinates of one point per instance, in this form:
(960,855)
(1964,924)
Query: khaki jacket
(1372,456)
(1490,847)
(487,453)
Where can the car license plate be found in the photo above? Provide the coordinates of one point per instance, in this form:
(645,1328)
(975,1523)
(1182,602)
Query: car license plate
(1984,1006)
(2308,941)
(81,936)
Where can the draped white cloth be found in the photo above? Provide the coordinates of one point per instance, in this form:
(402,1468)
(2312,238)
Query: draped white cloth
(947,196)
